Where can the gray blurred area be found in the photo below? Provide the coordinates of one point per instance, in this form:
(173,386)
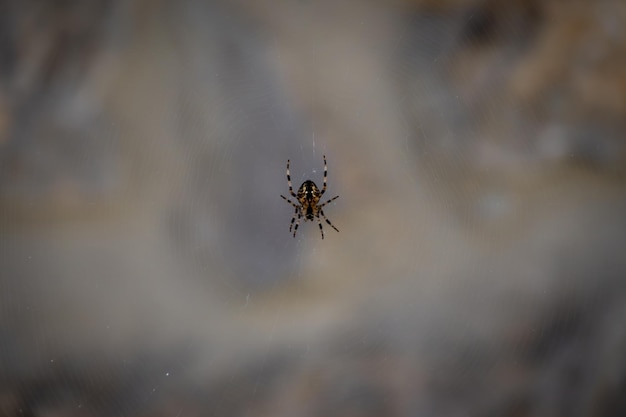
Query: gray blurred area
(479,151)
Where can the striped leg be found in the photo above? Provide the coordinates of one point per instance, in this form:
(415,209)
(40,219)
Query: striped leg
(327,221)
(325,175)
(289,201)
(293,219)
(289,182)
(295,228)
(332,199)
(319,223)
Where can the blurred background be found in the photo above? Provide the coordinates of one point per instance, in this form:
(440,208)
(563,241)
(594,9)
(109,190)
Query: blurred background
(479,151)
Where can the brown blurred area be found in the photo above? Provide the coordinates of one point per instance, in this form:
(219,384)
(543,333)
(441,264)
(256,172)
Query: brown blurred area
(479,152)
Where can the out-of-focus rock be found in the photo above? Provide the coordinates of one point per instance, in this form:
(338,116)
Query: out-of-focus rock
(146,264)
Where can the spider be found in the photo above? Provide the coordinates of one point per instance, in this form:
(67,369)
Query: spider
(309,197)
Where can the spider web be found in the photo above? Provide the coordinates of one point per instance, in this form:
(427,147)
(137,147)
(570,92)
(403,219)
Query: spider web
(146,262)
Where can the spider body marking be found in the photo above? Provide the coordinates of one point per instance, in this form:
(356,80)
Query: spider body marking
(309,207)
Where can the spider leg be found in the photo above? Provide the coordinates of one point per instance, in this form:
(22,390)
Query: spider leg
(327,221)
(289,182)
(325,175)
(332,199)
(295,229)
(319,223)
(289,201)
(297,213)
(293,218)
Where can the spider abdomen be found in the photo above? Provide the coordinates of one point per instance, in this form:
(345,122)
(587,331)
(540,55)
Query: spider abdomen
(309,191)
